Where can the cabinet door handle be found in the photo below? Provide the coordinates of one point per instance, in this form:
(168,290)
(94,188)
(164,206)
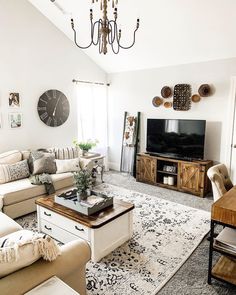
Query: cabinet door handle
(47,214)
(79,229)
(48,228)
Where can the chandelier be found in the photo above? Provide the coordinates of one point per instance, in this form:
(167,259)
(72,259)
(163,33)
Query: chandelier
(104,31)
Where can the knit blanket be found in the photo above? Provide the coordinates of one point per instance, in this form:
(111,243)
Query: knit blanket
(45,179)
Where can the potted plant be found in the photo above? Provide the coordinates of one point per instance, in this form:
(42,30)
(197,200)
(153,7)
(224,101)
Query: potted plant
(85,146)
(83,183)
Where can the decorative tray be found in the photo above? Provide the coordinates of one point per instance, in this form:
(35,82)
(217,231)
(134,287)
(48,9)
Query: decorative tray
(95,202)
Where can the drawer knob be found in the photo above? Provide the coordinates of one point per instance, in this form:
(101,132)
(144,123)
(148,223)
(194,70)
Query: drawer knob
(79,229)
(47,214)
(48,228)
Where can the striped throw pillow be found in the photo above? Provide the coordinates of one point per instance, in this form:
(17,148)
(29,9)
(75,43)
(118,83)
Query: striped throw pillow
(65,153)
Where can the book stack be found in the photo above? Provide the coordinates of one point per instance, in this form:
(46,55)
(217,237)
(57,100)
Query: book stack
(91,201)
(226,240)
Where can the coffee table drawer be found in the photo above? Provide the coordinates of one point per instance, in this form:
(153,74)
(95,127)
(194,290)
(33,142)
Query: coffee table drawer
(57,232)
(65,223)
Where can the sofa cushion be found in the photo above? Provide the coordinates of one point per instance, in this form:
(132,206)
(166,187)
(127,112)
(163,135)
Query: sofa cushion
(10,157)
(7,225)
(24,247)
(70,165)
(41,162)
(11,172)
(20,190)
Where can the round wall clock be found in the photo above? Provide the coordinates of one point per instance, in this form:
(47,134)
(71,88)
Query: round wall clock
(53,108)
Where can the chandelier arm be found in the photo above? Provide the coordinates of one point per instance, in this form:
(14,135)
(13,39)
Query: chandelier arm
(116,37)
(128,47)
(98,23)
(112,35)
(115,51)
(75,40)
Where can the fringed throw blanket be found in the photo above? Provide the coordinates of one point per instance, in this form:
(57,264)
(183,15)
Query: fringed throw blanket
(45,179)
(42,246)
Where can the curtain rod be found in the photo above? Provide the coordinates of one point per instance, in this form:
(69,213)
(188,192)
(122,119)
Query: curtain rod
(89,82)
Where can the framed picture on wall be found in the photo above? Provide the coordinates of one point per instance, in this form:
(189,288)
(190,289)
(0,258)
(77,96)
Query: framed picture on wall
(15,120)
(14,100)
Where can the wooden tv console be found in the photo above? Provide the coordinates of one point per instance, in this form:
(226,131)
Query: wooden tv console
(189,176)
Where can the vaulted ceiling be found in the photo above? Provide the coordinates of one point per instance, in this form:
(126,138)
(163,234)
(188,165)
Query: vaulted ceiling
(171,31)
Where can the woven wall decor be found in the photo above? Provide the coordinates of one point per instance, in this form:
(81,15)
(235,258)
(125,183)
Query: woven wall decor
(182,97)
(166,92)
(205,90)
(157,101)
(196,98)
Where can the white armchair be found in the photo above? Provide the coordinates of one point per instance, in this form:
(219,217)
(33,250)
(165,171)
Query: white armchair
(220,180)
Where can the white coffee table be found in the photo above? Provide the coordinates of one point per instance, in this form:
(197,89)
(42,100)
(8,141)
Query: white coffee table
(104,231)
(52,286)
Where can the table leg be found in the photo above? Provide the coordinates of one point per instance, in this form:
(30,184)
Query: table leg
(102,171)
(211,251)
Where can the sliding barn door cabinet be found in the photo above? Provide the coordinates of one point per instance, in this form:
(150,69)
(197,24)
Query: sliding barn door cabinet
(185,176)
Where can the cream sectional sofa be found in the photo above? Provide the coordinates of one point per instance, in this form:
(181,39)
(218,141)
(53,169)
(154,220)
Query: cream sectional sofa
(69,266)
(18,197)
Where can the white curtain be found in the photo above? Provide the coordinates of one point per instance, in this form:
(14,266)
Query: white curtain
(92,115)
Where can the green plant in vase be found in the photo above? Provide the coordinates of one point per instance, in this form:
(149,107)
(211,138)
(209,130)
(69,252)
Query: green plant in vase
(85,146)
(83,183)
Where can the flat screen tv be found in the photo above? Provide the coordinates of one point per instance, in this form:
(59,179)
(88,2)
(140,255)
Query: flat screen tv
(182,139)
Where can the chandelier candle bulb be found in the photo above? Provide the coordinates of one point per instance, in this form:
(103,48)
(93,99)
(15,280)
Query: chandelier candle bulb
(137,23)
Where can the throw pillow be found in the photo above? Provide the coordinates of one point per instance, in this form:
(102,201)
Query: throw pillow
(25,154)
(10,157)
(11,172)
(71,165)
(24,247)
(40,162)
(65,153)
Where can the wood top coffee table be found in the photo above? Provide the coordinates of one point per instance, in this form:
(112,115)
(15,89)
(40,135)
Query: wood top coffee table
(104,231)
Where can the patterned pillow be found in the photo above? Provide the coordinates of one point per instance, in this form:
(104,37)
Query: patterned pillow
(40,162)
(24,247)
(11,172)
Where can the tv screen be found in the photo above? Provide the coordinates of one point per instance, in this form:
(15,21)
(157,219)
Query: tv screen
(176,138)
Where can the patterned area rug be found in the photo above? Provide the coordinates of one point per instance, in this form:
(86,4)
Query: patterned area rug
(165,235)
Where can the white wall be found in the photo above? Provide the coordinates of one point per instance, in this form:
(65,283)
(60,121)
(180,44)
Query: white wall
(34,57)
(133,92)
